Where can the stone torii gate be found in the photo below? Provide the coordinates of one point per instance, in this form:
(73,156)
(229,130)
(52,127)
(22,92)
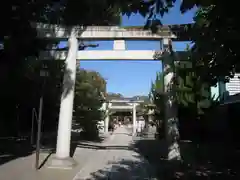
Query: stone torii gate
(119,35)
(130,105)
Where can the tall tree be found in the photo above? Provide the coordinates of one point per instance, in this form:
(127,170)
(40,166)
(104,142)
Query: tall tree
(191,90)
(215,34)
(90,86)
(157,97)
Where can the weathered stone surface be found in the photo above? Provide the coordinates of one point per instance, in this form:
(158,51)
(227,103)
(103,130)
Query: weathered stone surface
(116,160)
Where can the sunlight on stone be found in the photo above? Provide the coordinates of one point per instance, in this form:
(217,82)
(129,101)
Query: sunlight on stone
(174,153)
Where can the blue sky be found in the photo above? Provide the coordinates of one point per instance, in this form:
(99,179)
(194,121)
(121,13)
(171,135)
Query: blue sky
(134,77)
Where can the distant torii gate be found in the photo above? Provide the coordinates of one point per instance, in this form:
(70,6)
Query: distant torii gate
(131,106)
(119,35)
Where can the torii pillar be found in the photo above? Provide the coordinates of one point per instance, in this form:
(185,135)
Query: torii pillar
(134,119)
(62,157)
(107,117)
(171,118)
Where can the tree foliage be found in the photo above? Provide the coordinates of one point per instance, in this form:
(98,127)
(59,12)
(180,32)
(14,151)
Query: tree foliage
(90,86)
(19,37)
(21,92)
(192,92)
(20,47)
(214,34)
(111,95)
(157,97)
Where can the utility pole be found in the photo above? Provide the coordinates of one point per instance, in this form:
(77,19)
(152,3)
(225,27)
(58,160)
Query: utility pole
(39,133)
(39,128)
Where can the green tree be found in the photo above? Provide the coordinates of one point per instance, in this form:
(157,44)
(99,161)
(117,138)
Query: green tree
(214,34)
(192,94)
(157,97)
(113,95)
(217,23)
(22,94)
(90,86)
(192,91)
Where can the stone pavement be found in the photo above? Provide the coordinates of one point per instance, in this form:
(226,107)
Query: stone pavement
(116,160)
(112,159)
(23,168)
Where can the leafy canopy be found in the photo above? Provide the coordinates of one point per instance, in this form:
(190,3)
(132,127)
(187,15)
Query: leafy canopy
(89,89)
(214,33)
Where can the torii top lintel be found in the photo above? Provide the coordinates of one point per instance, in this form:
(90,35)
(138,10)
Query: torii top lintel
(108,32)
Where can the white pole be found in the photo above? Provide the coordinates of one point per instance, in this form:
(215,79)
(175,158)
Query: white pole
(134,119)
(66,107)
(106,119)
(38,143)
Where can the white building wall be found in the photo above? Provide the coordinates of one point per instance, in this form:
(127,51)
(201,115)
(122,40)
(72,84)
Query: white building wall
(233,87)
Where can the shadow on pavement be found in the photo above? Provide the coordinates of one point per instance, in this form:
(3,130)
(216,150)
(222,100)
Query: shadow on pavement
(128,134)
(205,161)
(130,166)
(78,140)
(13,148)
(124,170)
(97,144)
(102,147)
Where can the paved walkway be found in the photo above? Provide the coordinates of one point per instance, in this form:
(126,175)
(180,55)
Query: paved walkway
(115,159)
(112,159)
(22,168)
